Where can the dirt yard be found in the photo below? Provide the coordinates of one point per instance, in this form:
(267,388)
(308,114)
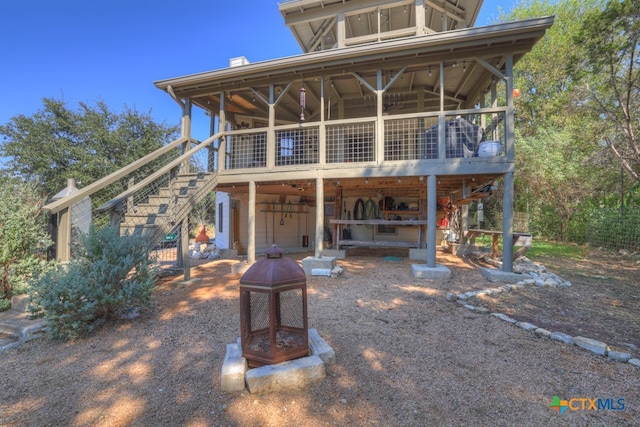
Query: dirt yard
(405,355)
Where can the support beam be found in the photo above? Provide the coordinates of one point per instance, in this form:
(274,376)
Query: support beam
(432,206)
(185,260)
(63,239)
(319,217)
(507,224)
(251,226)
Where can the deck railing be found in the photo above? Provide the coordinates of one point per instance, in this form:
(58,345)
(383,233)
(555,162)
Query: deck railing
(414,137)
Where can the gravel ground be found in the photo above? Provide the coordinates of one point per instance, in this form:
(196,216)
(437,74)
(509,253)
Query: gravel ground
(405,357)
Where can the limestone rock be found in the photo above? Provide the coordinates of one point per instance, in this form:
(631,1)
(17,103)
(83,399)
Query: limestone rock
(526,326)
(618,356)
(562,337)
(234,368)
(287,375)
(594,346)
(504,317)
(319,347)
(543,332)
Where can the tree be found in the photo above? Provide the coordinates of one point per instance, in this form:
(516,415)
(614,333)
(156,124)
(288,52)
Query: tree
(23,237)
(556,172)
(57,143)
(607,66)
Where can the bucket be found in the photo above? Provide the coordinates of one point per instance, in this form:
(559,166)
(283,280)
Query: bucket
(489,149)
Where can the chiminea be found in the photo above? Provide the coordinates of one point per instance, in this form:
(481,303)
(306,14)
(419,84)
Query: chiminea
(273,310)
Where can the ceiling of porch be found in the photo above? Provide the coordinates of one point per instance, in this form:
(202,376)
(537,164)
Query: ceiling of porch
(410,69)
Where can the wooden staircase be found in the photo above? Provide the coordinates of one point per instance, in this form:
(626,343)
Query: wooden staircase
(168,207)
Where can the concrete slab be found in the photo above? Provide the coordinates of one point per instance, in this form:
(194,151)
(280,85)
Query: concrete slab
(310,263)
(320,272)
(234,369)
(439,272)
(495,275)
(288,375)
(319,347)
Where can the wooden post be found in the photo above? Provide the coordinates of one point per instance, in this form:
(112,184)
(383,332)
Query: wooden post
(319,217)
(251,232)
(507,224)
(432,204)
(63,240)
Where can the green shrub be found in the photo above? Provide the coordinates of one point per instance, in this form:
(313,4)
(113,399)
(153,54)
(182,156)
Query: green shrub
(23,236)
(107,274)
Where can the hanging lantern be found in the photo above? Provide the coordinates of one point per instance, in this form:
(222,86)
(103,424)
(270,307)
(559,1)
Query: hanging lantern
(303,101)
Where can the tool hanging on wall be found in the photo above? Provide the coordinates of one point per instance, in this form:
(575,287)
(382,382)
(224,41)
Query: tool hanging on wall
(282,214)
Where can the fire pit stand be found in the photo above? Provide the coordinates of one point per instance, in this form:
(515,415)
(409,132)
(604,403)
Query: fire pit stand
(273,311)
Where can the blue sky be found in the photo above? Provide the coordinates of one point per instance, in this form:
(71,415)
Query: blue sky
(113,50)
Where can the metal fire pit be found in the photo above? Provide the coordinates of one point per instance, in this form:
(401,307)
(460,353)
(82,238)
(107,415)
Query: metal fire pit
(273,310)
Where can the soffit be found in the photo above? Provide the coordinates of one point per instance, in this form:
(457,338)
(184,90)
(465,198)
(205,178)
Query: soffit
(418,58)
(313,22)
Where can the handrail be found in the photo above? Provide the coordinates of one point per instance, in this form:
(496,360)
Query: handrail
(65,202)
(166,168)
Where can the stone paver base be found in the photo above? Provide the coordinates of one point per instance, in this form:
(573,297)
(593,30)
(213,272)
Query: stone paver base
(287,375)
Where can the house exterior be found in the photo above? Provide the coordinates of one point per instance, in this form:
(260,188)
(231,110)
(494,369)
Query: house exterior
(396,117)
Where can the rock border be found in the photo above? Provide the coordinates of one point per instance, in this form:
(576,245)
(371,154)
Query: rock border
(547,280)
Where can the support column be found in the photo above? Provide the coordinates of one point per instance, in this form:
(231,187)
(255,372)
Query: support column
(184,258)
(379,154)
(510,116)
(507,224)
(271,132)
(319,217)
(63,239)
(251,229)
(432,206)
(186,132)
(222,125)
(442,120)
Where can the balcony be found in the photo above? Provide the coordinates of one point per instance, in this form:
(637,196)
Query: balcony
(412,139)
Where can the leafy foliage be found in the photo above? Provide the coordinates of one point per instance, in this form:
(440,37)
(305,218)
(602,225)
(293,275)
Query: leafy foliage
(108,273)
(608,68)
(57,143)
(564,170)
(23,235)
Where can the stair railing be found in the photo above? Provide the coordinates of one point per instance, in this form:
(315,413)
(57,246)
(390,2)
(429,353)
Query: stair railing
(134,195)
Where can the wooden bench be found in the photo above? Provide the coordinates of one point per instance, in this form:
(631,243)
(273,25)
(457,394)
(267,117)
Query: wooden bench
(376,243)
(524,240)
(340,223)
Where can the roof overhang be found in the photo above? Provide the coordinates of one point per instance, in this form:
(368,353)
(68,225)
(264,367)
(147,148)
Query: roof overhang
(516,38)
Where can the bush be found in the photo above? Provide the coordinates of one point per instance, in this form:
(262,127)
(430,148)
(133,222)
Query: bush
(107,274)
(23,236)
